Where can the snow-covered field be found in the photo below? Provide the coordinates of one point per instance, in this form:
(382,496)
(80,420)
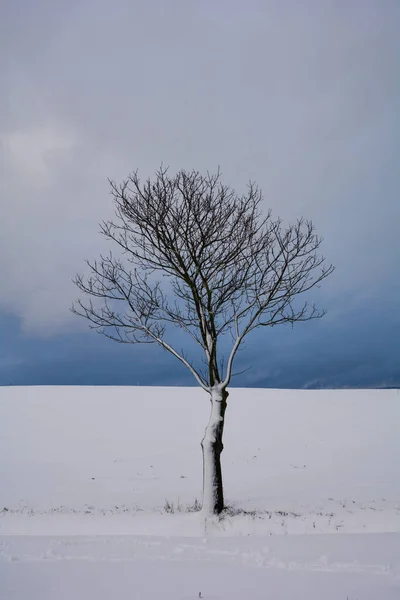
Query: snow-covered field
(96,483)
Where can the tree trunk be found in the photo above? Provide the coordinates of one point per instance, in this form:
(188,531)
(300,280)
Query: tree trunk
(213,493)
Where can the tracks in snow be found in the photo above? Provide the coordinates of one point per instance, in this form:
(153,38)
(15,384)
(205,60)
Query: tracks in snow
(377,554)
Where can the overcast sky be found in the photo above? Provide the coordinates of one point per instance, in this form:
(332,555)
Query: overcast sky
(301,96)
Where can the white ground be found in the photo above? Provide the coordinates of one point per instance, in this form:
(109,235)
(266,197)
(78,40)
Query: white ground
(85,473)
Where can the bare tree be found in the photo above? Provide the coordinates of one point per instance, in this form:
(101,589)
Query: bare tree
(229,269)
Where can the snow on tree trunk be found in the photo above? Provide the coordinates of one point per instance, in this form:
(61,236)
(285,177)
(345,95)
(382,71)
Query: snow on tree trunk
(213,494)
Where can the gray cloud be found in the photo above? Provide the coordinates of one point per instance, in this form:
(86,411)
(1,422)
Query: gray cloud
(301,97)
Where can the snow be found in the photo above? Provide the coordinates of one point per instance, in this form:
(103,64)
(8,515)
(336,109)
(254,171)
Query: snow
(282,567)
(311,478)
